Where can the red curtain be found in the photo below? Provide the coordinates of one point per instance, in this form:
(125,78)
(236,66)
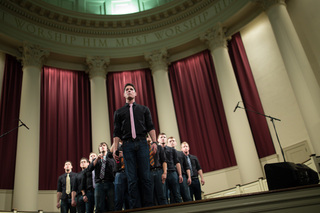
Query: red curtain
(200,113)
(9,118)
(65,132)
(250,97)
(142,80)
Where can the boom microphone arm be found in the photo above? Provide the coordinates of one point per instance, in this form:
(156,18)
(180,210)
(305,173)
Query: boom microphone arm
(272,119)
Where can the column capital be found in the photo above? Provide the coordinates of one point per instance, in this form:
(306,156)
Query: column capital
(33,55)
(97,66)
(215,37)
(266,4)
(158,59)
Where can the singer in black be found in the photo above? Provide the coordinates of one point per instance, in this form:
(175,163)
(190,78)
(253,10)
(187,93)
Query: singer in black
(195,188)
(158,175)
(132,122)
(78,194)
(185,170)
(174,174)
(104,177)
(121,198)
(64,189)
(90,184)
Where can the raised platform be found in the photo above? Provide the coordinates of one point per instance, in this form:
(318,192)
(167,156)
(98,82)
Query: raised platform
(294,200)
(304,199)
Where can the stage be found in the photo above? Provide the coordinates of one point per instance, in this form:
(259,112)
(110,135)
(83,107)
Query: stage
(304,199)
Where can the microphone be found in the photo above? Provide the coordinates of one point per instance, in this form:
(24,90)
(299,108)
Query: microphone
(236,107)
(109,154)
(117,154)
(23,124)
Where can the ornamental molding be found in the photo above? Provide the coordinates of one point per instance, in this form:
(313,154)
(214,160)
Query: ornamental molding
(47,15)
(215,37)
(33,55)
(97,66)
(267,4)
(69,33)
(158,59)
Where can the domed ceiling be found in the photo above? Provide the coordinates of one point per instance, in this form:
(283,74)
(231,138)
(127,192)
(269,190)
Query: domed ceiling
(108,7)
(74,29)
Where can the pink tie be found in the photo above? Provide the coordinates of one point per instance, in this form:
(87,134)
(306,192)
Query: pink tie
(133,129)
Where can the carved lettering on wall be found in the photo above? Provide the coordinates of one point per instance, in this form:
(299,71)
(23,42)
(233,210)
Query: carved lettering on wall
(41,33)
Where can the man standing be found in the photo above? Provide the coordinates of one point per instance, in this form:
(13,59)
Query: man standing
(90,184)
(64,189)
(132,122)
(174,175)
(185,169)
(78,194)
(158,168)
(121,198)
(104,177)
(195,188)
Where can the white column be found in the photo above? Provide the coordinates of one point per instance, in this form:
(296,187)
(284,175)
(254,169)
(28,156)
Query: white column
(2,64)
(166,113)
(301,75)
(25,194)
(240,132)
(99,101)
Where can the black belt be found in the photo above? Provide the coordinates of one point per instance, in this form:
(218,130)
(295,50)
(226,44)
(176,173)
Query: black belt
(134,139)
(155,169)
(170,171)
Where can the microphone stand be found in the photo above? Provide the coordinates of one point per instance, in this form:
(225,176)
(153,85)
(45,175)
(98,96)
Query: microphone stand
(272,119)
(22,124)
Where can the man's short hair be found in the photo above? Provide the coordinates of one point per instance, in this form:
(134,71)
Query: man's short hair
(171,137)
(92,153)
(184,142)
(84,158)
(67,161)
(162,133)
(100,145)
(129,84)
